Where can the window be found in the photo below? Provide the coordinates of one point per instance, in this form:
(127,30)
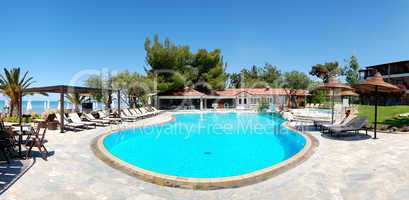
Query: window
(239,101)
(245,101)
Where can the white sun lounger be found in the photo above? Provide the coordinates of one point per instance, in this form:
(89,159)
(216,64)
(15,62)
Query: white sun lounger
(153,110)
(91,118)
(76,119)
(137,113)
(404,115)
(145,111)
(142,112)
(128,115)
(104,116)
(70,124)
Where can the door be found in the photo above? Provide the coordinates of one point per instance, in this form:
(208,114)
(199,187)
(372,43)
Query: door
(242,101)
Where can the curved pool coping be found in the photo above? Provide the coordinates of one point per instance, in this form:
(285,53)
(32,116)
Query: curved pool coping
(204,183)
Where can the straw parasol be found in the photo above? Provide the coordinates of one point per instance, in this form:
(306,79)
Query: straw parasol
(345,93)
(333,84)
(377,84)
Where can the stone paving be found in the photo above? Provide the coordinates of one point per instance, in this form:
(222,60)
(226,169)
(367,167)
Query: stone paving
(11,172)
(357,169)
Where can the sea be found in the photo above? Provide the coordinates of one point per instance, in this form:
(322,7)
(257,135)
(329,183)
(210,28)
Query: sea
(38,106)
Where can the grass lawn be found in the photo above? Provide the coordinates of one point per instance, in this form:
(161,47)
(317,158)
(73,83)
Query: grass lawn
(386,114)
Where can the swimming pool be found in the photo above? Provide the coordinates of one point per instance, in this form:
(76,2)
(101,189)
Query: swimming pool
(205,148)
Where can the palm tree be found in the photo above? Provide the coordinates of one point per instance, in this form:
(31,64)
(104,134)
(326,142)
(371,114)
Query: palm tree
(13,86)
(76,99)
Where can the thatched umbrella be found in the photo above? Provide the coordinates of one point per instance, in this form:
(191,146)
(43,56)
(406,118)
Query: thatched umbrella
(333,84)
(345,93)
(377,84)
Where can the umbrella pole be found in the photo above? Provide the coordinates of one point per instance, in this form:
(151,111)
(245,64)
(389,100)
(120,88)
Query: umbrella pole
(20,111)
(376,110)
(332,114)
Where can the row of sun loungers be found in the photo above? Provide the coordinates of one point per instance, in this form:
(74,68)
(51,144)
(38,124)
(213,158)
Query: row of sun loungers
(75,122)
(312,105)
(135,114)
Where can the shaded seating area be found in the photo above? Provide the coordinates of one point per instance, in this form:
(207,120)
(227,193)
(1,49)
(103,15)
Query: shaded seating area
(16,137)
(66,89)
(22,140)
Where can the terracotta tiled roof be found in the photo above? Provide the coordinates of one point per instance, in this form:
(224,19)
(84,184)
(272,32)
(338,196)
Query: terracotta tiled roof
(267,91)
(235,91)
(229,92)
(187,91)
(258,91)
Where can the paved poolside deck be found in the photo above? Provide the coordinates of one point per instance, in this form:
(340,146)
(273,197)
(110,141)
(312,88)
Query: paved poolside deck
(361,169)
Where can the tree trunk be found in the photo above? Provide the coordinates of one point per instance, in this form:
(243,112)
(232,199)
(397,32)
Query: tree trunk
(294,101)
(14,109)
(109,102)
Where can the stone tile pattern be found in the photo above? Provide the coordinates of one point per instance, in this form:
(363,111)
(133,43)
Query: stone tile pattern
(11,172)
(364,169)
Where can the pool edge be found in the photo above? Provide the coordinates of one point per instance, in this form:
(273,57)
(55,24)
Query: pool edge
(204,183)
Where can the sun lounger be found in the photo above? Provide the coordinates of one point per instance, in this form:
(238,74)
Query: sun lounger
(76,119)
(91,118)
(137,113)
(104,116)
(343,122)
(153,110)
(323,125)
(68,124)
(128,115)
(146,112)
(288,116)
(404,115)
(356,124)
(320,123)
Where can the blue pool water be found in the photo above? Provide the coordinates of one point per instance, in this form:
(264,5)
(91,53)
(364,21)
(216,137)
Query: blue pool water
(207,145)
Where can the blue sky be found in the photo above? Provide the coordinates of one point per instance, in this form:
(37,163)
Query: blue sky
(55,40)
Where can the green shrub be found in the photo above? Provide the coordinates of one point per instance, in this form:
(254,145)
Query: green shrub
(318,96)
(25,118)
(13,119)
